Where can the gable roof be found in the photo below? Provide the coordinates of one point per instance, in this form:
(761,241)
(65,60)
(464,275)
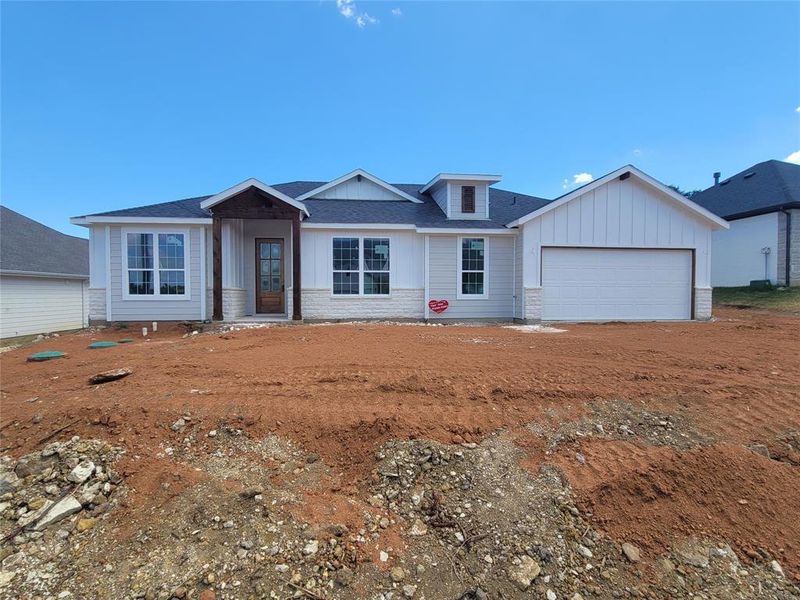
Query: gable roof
(27,246)
(248,183)
(762,188)
(632,171)
(350,175)
(424,212)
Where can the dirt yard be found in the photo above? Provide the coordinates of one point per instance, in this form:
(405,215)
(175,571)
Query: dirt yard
(408,461)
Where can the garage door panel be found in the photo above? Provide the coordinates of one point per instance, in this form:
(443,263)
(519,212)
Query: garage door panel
(594,284)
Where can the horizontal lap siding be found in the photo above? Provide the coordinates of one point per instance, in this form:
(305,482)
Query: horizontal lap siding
(123,309)
(443,284)
(31,305)
(481,193)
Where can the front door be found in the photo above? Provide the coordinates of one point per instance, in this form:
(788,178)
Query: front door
(269,276)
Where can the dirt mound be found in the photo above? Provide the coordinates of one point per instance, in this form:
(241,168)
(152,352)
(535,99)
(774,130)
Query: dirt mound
(659,495)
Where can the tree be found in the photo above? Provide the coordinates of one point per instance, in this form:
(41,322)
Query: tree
(686,193)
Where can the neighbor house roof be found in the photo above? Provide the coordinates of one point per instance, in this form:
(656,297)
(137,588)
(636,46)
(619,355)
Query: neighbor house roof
(505,206)
(27,246)
(762,188)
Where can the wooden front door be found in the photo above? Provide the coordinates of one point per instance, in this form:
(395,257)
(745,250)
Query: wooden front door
(269,276)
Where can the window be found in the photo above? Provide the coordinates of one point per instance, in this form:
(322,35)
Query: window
(473,267)
(467,198)
(345,266)
(156,264)
(376,266)
(140,264)
(361,266)
(171,272)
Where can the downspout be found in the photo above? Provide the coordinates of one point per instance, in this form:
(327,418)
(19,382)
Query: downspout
(788,244)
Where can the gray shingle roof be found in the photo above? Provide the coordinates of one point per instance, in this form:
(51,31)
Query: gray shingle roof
(27,245)
(762,188)
(505,206)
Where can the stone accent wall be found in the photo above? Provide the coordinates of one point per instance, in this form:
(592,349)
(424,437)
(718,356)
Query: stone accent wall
(290,302)
(402,304)
(702,304)
(794,249)
(233,303)
(97,304)
(533,305)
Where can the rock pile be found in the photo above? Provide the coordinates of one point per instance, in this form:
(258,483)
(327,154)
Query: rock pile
(53,494)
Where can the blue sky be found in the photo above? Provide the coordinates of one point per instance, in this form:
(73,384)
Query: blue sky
(110,105)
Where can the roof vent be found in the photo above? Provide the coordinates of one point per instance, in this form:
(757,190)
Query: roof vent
(717,175)
(749,175)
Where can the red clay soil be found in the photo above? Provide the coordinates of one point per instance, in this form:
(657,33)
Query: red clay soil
(653,496)
(342,390)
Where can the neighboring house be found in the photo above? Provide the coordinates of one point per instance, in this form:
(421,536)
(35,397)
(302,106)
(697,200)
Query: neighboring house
(622,247)
(44,277)
(762,204)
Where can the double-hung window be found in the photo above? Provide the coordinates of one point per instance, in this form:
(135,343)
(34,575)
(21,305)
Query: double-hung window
(473,267)
(156,264)
(346,263)
(361,266)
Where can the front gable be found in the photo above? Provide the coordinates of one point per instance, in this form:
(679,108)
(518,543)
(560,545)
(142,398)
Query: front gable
(627,178)
(358,185)
(252,196)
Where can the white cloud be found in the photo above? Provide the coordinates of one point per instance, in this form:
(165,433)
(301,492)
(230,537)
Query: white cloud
(794,157)
(349,10)
(365,19)
(399,13)
(577,180)
(797,109)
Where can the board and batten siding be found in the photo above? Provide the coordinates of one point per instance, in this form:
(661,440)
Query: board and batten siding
(406,279)
(352,189)
(444,255)
(619,214)
(406,256)
(154,307)
(31,305)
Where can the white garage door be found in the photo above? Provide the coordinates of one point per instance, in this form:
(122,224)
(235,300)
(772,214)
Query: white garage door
(31,305)
(593,284)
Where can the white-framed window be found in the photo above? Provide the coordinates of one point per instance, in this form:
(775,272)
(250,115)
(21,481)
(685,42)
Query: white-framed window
(361,266)
(472,267)
(156,264)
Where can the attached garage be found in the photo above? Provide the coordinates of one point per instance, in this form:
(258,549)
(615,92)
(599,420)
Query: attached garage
(624,247)
(602,284)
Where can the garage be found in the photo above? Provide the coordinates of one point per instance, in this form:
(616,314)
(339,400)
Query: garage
(602,284)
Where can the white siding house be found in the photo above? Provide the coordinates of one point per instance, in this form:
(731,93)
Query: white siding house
(762,205)
(623,247)
(43,278)
(746,252)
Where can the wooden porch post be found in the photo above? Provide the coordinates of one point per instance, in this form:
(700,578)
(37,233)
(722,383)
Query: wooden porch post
(217,268)
(297,313)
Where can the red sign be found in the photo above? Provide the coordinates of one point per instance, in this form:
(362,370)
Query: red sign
(438,306)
